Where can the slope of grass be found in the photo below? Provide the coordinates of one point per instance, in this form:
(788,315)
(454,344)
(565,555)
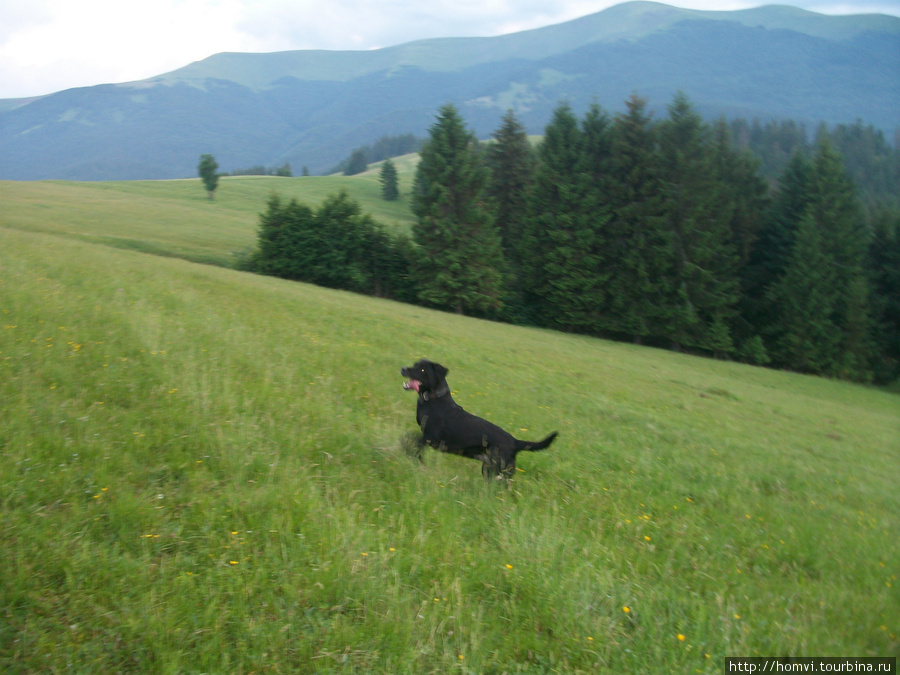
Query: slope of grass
(175,218)
(204,471)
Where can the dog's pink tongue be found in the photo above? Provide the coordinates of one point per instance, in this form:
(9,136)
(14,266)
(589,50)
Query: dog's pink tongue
(412,384)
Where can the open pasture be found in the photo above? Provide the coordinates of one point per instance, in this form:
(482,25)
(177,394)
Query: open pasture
(203,470)
(175,217)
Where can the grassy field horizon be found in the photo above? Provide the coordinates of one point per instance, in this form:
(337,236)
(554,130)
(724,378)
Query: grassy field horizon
(176,218)
(203,470)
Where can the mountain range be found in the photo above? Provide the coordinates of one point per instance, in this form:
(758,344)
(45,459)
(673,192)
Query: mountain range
(310,108)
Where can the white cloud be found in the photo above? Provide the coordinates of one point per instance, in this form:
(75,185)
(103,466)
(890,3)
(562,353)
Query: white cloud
(49,45)
(63,44)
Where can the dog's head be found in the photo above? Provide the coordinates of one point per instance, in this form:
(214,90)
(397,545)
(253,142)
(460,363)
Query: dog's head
(425,377)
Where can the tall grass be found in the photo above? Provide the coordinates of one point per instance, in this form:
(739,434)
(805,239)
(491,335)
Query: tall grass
(204,471)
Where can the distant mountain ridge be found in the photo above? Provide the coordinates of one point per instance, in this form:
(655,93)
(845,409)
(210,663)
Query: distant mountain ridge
(629,22)
(310,108)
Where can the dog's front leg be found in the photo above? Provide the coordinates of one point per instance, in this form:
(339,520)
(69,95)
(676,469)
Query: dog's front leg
(414,445)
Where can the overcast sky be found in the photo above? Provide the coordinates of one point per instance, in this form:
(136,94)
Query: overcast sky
(51,45)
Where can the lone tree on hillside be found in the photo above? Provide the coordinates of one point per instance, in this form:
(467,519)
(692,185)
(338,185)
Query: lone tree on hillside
(388,177)
(208,171)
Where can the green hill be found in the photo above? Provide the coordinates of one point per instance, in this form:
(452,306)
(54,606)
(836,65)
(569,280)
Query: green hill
(203,470)
(175,218)
(311,108)
(630,22)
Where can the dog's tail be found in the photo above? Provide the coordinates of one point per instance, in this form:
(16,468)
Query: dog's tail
(540,445)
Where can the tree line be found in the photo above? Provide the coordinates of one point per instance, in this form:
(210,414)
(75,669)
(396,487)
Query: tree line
(384,148)
(663,232)
(283,171)
(335,245)
(869,158)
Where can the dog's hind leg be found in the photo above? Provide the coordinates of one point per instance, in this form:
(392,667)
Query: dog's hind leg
(495,467)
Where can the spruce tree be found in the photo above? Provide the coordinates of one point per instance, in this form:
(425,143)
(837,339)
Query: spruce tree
(335,245)
(357,163)
(595,214)
(744,191)
(461,257)
(390,190)
(640,248)
(884,266)
(339,260)
(562,267)
(744,206)
(822,299)
(805,300)
(697,211)
(511,161)
(771,251)
(835,207)
(289,241)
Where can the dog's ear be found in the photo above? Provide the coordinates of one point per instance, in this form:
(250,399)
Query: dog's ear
(440,371)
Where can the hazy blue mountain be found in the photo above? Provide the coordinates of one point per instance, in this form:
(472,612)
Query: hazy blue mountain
(312,107)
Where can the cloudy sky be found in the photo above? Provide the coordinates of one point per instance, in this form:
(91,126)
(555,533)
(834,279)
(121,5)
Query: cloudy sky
(50,45)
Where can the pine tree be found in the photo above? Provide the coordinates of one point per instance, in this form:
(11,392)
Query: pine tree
(562,267)
(594,217)
(805,300)
(835,207)
(388,179)
(745,192)
(822,300)
(697,212)
(640,248)
(744,205)
(771,251)
(461,253)
(357,163)
(511,161)
(208,170)
(335,245)
(884,265)
(387,263)
(339,259)
(288,241)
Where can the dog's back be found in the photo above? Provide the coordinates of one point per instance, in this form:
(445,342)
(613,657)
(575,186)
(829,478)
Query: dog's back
(458,429)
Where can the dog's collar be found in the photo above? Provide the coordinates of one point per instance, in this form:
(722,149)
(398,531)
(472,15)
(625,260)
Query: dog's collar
(440,393)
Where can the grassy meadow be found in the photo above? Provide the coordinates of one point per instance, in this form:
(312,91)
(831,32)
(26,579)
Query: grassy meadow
(175,217)
(204,471)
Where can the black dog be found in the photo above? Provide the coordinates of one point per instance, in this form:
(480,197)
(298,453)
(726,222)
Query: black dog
(447,427)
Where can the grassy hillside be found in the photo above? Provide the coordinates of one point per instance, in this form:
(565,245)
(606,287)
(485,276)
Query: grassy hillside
(175,217)
(204,471)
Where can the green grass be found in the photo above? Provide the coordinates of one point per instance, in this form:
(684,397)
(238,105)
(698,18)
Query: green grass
(203,470)
(175,218)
